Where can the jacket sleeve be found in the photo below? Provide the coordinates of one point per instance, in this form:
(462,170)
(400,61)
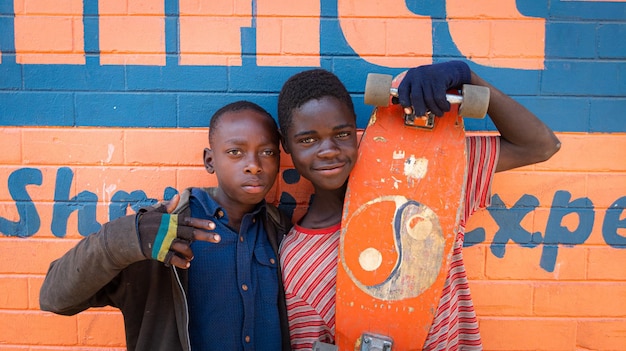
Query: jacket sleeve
(75,281)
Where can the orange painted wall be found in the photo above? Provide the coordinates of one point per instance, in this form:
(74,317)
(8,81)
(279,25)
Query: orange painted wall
(580,305)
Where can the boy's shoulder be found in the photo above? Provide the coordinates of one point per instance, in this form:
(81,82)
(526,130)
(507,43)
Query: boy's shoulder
(277,225)
(185,195)
(183,203)
(279,219)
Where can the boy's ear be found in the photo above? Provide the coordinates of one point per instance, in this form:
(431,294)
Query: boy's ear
(208,160)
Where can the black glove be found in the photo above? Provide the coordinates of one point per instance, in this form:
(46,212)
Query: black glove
(158,230)
(424,88)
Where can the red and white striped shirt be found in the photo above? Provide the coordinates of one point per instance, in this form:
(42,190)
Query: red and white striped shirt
(455,326)
(309,264)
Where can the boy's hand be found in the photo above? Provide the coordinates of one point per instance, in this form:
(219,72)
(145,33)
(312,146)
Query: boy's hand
(167,237)
(424,87)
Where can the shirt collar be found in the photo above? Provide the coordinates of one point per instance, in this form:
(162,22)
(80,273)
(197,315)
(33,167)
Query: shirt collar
(206,199)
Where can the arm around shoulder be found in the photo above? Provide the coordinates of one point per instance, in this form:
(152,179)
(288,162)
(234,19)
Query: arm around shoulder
(74,280)
(525,139)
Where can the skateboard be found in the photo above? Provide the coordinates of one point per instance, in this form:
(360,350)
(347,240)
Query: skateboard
(400,219)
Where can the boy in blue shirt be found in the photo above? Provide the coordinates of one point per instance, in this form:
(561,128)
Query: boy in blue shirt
(230,297)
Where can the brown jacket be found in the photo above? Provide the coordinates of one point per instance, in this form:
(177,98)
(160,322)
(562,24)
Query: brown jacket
(109,268)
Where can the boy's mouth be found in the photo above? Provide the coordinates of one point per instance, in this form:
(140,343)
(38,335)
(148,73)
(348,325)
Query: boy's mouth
(332,169)
(253,188)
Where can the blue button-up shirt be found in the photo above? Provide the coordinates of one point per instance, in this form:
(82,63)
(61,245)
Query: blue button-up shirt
(233,285)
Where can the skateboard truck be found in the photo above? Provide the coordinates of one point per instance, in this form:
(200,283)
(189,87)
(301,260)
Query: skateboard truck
(369,342)
(473,101)
(426,121)
(322,346)
(373,342)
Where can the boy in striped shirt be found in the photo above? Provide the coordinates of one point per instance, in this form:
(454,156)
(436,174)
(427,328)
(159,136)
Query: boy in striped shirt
(318,125)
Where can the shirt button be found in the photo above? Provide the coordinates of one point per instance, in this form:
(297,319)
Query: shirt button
(272,261)
(220,214)
(253,220)
(241,238)
(244,287)
(247,338)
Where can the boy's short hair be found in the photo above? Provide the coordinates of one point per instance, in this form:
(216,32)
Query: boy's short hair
(234,107)
(306,86)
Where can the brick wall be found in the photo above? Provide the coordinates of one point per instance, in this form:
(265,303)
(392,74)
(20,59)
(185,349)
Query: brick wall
(521,302)
(105,103)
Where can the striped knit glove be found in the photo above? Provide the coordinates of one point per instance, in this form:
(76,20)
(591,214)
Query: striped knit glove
(158,230)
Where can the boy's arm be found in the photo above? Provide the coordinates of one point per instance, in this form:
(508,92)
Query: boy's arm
(73,281)
(525,139)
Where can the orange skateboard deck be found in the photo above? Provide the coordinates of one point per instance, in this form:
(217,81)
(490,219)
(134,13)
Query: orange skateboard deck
(400,220)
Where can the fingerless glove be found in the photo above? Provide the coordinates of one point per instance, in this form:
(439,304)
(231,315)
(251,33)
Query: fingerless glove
(158,230)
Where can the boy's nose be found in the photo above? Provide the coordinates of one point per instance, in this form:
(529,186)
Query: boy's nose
(328,149)
(253,166)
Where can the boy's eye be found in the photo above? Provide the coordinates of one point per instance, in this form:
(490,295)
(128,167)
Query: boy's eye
(307,140)
(234,152)
(343,134)
(269,152)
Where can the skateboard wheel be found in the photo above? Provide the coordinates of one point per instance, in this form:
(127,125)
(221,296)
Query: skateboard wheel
(475,101)
(377,89)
